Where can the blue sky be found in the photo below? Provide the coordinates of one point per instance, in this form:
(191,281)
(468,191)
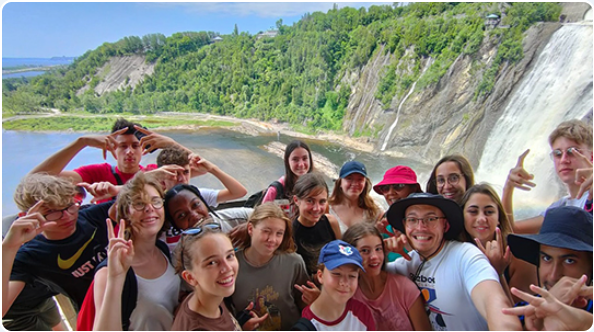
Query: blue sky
(46,29)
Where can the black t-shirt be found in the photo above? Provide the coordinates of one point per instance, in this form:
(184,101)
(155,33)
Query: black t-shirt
(66,266)
(310,240)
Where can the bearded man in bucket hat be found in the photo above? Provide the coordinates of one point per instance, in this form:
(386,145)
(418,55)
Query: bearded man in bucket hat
(460,287)
(562,248)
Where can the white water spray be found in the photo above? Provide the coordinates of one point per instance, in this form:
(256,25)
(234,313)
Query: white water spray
(558,88)
(400,106)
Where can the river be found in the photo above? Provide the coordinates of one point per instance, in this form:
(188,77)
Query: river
(240,155)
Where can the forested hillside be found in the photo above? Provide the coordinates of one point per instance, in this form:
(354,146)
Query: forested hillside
(297,76)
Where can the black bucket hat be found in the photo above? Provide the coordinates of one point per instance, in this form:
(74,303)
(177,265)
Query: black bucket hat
(566,227)
(451,210)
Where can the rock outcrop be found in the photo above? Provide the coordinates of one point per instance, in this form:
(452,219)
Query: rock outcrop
(121,72)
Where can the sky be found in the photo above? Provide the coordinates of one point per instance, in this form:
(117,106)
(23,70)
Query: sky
(48,29)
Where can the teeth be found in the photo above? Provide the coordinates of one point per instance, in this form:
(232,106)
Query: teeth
(226,280)
(422,238)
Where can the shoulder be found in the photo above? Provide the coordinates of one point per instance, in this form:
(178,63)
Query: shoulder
(94,167)
(331,219)
(148,167)
(362,312)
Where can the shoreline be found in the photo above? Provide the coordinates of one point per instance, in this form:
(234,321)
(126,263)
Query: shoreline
(251,127)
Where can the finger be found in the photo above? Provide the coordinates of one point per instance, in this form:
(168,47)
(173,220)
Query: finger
(582,156)
(261,319)
(122,230)
(43,225)
(142,130)
(110,232)
(507,255)
(498,236)
(535,301)
(118,132)
(521,158)
(574,290)
(250,306)
(36,207)
(516,311)
(299,288)
(480,245)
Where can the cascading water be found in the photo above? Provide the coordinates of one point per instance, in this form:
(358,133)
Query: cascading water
(558,88)
(412,88)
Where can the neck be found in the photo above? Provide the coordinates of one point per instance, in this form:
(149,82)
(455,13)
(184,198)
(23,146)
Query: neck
(428,255)
(52,236)
(144,248)
(327,309)
(305,222)
(351,202)
(372,285)
(205,305)
(128,170)
(255,258)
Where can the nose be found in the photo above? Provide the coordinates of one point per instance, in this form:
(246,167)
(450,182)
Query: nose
(482,217)
(565,157)
(225,266)
(148,207)
(555,274)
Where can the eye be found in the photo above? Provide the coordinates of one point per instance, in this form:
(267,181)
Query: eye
(545,257)
(212,263)
(440,180)
(569,261)
(265,231)
(364,251)
(353,276)
(472,211)
(379,249)
(231,256)
(181,216)
(490,212)
(280,234)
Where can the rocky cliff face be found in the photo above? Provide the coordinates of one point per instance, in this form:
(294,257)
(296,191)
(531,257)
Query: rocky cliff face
(445,117)
(121,72)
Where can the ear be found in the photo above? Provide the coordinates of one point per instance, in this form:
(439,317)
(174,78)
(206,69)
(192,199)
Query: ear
(295,200)
(189,278)
(319,275)
(250,228)
(446,226)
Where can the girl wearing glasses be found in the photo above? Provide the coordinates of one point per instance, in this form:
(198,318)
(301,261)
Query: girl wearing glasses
(487,226)
(350,202)
(313,228)
(451,177)
(270,269)
(137,259)
(394,300)
(206,260)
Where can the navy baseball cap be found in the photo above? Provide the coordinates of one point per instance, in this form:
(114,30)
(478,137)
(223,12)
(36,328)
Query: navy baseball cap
(337,253)
(566,227)
(351,167)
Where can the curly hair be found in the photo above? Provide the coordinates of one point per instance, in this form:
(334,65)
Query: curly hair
(54,191)
(263,212)
(132,189)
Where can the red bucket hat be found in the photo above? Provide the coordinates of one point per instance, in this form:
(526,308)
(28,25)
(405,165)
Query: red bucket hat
(397,175)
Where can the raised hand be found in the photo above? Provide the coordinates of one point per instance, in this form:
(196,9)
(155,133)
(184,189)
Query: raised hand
(200,166)
(583,176)
(237,234)
(254,322)
(153,141)
(120,251)
(382,226)
(499,257)
(100,190)
(166,175)
(397,244)
(548,313)
(519,177)
(309,294)
(25,228)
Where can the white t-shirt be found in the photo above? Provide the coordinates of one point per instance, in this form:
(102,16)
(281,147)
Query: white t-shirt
(210,196)
(446,282)
(568,201)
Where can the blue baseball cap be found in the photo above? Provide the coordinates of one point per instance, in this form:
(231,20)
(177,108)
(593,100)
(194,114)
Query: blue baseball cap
(337,253)
(351,167)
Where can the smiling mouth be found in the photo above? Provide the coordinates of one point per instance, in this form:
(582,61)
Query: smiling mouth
(226,282)
(422,238)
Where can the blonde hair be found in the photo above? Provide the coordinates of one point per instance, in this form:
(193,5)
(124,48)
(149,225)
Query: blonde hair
(575,130)
(263,212)
(131,190)
(53,190)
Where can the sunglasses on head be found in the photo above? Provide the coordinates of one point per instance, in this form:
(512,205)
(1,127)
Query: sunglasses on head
(195,231)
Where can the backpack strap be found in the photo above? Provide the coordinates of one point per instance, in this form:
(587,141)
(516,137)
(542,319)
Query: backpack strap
(117,177)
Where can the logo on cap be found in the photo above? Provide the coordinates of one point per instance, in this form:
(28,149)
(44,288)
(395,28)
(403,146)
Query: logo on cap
(347,251)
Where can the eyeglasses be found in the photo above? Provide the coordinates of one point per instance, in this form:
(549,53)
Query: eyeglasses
(57,215)
(156,202)
(452,179)
(386,187)
(430,222)
(195,231)
(558,154)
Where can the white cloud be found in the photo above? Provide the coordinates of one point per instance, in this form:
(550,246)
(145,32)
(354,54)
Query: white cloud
(262,9)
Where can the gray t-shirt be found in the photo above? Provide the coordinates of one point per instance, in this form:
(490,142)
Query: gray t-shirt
(271,288)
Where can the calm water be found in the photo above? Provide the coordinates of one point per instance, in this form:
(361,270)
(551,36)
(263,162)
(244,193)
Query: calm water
(237,154)
(24,74)
(32,62)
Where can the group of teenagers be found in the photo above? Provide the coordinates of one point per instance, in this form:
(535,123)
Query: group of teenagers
(153,252)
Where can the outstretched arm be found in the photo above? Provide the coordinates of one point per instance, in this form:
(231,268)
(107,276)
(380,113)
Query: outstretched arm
(488,298)
(55,164)
(518,178)
(233,188)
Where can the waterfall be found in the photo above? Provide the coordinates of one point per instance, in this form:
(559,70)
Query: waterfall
(412,88)
(557,88)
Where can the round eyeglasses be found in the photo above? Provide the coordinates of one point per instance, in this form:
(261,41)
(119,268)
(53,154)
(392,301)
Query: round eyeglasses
(57,214)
